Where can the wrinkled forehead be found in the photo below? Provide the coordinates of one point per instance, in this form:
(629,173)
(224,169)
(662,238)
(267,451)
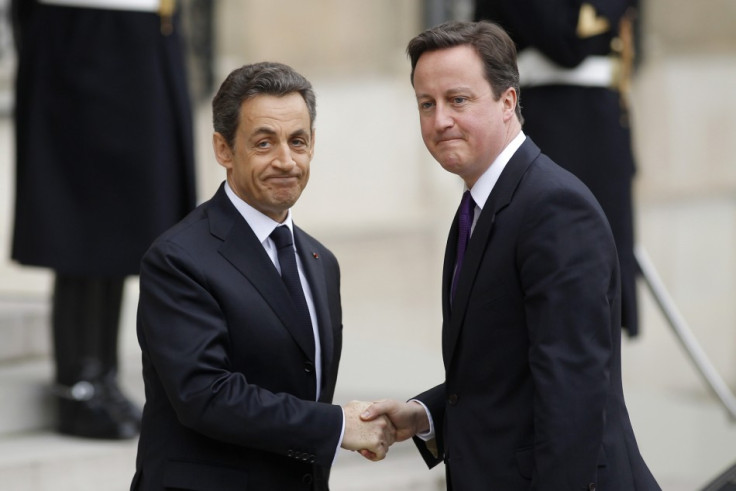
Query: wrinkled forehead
(270,111)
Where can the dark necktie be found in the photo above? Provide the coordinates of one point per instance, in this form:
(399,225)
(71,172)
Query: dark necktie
(465,221)
(284,241)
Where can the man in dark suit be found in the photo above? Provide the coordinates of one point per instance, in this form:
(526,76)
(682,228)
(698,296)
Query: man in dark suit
(532,397)
(575,61)
(240,368)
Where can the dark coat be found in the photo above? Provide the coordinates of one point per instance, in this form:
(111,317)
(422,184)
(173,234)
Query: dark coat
(532,398)
(583,129)
(103,138)
(230,388)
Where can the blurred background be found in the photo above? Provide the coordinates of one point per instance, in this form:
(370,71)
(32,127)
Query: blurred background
(381,203)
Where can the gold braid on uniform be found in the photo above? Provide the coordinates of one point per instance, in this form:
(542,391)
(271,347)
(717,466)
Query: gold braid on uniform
(166,11)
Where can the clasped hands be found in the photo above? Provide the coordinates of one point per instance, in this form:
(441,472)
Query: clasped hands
(371,428)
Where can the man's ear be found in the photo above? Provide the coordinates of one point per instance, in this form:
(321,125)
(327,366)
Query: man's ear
(311,150)
(510,100)
(223,152)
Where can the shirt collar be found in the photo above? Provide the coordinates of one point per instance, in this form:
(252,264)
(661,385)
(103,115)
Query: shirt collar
(261,224)
(484,185)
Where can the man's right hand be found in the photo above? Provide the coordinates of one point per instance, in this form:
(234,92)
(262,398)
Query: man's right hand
(371,437)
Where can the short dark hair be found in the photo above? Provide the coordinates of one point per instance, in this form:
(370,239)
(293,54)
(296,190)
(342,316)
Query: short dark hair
(495,48)
(248,81)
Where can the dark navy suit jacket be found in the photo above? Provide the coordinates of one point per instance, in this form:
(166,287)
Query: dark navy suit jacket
(230,387)
(532,398)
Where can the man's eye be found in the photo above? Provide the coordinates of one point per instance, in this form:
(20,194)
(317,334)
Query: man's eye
(459,100)
(425,105)
(263,144)
(298,142)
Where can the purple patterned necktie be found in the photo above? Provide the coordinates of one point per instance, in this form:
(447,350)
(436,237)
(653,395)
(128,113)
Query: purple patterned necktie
(465,221)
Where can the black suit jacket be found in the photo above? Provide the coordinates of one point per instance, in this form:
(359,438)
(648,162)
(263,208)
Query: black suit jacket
(230,390)
(532,397)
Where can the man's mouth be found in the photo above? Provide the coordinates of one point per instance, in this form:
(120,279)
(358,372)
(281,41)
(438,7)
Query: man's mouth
(448,139)
(283,177)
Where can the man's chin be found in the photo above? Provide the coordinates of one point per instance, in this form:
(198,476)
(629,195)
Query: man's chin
(284,202)
(452,165)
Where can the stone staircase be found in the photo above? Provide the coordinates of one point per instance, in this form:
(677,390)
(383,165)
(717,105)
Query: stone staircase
(24,367)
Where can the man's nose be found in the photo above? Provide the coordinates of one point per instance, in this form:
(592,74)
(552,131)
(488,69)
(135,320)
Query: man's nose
(284,157)
(443,117)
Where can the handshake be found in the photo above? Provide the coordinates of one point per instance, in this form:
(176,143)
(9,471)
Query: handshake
(371,428)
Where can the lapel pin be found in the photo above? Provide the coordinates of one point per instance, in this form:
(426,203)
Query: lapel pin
(315,255)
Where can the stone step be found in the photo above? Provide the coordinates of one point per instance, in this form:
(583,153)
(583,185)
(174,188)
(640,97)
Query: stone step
(27,402)
(43,461)
(24,327)
(25,366)
(25,369)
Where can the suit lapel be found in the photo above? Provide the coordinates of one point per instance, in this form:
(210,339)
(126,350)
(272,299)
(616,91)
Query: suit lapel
(315,273)
(500,197)
(244,251)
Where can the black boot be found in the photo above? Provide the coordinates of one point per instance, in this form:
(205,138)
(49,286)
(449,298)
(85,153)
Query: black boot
(108,352)
(86,409)
(86,314)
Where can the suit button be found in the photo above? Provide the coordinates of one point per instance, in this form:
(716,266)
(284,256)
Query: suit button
(307,479)
(452,399)
(309,367)
(290,453)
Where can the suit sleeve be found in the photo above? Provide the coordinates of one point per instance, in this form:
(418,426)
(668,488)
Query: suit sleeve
(434,400)
(569,272)
(551,25)
(184,335)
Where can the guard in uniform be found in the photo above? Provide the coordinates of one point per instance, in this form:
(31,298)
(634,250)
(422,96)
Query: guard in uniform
(104,164)
(575,60)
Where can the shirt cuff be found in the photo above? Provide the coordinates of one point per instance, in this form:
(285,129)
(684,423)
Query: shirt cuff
(429,434)
(342,435)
